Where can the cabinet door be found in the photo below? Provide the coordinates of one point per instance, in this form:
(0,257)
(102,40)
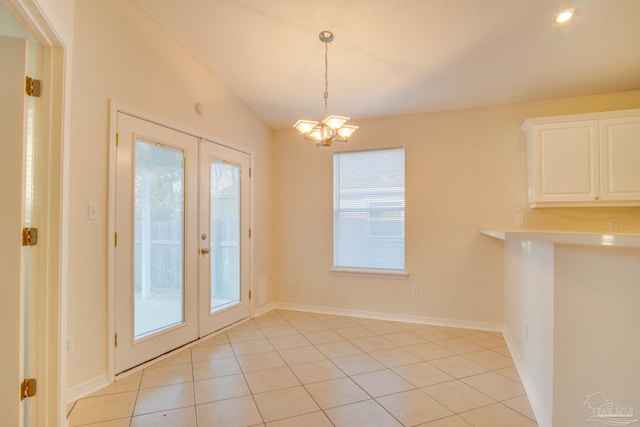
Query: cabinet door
(620,158)
(565,165)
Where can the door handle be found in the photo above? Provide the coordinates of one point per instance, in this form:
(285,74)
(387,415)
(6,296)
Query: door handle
(204,251)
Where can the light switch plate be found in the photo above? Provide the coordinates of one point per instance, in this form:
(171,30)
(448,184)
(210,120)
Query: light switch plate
(92,211)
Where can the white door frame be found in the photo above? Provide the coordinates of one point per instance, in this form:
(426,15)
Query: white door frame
(53,264)
(115,108)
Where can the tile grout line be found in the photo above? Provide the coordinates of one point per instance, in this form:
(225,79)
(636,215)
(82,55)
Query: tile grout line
(193,384)
(347,376)
(372,398)
(335,324)
(300,381)
(235,355)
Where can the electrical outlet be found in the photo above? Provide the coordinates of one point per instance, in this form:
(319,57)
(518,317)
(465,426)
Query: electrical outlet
(70,344)
(613,225)
(415,290)
(526,332)
(519,219)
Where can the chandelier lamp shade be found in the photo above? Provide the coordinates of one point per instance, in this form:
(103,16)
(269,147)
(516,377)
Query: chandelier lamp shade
(332,128)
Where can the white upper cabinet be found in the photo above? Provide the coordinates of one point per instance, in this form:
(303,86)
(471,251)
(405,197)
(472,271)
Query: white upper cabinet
(584,160)
(620,158)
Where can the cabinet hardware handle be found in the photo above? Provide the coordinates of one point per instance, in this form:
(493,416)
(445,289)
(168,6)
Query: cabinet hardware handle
(204,251)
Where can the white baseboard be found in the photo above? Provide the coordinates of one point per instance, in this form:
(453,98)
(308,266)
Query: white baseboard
(84,389)
(535,400)
(485,326)
(265,308)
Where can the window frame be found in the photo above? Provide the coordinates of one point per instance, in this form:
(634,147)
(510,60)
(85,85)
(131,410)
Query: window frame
(390,273)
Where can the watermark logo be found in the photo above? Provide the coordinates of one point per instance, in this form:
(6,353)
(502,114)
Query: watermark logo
(608,411)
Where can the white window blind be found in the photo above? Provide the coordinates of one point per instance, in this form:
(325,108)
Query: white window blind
(368,224)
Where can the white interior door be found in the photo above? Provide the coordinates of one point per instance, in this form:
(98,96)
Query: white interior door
(156,252)
(224,237)
(12,74)
(21,197)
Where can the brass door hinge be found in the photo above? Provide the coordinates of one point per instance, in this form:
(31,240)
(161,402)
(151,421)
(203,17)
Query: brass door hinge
(32,87)
(250,173)
(115,340)
(115,239)
(249,233)
(29,236)
(28,388)
(117,139)
(249,293)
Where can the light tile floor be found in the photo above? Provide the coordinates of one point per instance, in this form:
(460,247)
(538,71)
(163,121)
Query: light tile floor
(291,368)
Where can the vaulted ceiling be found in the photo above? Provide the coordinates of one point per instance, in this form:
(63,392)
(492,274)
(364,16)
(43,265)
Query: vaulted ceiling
(405,56)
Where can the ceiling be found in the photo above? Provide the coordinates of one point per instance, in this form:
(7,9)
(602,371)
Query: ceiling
(405,56)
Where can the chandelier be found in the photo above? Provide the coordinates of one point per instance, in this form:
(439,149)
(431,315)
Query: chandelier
(331,128)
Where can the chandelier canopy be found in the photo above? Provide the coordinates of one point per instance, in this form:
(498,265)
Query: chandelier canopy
(332,128)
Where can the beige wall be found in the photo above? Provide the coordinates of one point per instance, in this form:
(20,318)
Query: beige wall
(596,340)
(121,54)
(529,320)
(60,16)
(465,170)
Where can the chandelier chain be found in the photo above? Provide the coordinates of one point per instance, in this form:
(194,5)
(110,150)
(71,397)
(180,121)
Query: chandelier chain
(326,76)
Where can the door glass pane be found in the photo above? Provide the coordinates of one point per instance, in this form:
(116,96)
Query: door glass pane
(159,241)
(225,235)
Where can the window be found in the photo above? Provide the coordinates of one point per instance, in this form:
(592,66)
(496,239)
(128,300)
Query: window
(368,223)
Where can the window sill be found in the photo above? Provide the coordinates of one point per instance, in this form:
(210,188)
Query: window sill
(370,272)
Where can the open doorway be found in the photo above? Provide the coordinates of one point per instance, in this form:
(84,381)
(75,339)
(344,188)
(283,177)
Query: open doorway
(31,327)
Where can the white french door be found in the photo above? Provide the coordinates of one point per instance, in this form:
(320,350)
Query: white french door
(224,236)
(156,249)
(182,229)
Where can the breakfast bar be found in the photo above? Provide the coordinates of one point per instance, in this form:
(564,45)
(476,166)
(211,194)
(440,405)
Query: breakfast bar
(571,318)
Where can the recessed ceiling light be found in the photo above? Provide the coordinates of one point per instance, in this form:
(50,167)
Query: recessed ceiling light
(564,16)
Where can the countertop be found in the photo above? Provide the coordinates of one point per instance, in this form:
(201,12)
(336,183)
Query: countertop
(566,237)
